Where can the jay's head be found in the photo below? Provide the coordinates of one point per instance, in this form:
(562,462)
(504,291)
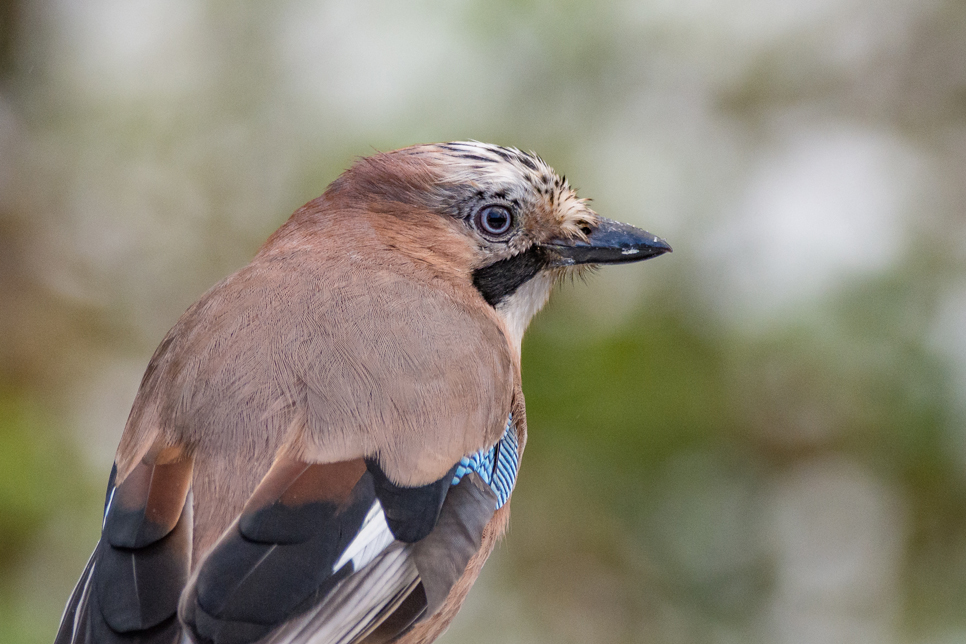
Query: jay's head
(496,217)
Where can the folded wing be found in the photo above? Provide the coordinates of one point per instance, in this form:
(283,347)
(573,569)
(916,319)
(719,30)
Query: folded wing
(337,552)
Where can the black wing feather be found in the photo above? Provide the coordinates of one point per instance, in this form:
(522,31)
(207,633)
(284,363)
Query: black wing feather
(277,560)
(129,590)
(411,512)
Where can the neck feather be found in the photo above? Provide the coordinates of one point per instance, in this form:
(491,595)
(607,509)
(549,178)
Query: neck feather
(518,308)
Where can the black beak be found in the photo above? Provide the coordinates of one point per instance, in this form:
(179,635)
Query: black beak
(611,242)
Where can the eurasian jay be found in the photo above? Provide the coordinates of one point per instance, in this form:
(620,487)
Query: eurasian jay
(323,447)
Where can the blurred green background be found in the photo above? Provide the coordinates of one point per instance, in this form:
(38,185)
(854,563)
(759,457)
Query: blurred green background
(759,438)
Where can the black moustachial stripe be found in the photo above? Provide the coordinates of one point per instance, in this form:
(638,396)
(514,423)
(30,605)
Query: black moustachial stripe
(501,279)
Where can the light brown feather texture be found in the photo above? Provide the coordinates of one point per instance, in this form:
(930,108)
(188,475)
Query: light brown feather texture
(354,332)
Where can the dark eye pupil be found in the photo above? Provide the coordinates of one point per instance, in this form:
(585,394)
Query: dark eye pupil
(495,220)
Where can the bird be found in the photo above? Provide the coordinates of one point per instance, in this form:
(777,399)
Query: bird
(323,447)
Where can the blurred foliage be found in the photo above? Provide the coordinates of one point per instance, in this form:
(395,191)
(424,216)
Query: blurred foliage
(31,485)
(615,415)
(40,478)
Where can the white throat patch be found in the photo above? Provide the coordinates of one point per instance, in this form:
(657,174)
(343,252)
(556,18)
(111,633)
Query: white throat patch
(518,309)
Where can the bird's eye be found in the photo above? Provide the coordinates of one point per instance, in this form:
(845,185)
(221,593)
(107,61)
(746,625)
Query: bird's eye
(494,221)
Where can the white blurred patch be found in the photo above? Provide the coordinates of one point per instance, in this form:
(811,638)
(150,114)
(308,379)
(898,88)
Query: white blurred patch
(114,48)
(840,32)
(747,20)
(824,207)
(837,535)
(371,60)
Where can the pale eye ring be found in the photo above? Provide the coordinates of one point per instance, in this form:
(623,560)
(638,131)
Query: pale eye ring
(494,221)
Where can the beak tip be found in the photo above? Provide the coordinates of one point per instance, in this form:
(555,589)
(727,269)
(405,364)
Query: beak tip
(650,248)
(660,246)
(612,242)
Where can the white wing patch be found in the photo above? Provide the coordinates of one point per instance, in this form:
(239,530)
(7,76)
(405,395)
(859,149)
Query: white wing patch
(107,507)
(373,537)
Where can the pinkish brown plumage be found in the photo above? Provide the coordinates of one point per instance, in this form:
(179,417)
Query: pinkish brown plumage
(287,471)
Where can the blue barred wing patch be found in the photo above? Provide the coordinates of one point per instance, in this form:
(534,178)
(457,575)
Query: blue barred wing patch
(497,466)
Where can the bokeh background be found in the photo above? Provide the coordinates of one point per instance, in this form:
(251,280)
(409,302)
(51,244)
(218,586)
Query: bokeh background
(759,438)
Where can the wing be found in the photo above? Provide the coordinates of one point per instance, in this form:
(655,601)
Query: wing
(337,552)
(130,588)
